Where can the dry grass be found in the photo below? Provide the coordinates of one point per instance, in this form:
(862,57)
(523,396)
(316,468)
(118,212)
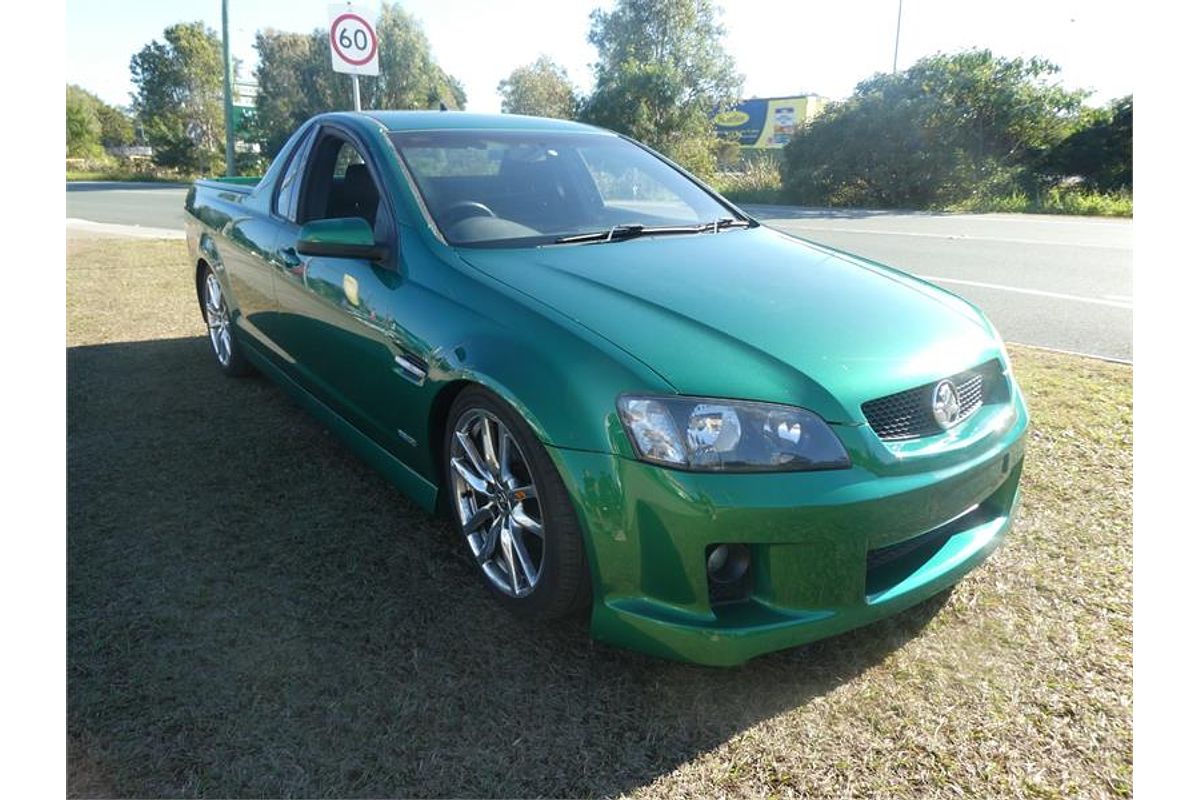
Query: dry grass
(252,611)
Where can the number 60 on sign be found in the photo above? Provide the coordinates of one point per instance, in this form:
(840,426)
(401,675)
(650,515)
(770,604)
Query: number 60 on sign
(353,44)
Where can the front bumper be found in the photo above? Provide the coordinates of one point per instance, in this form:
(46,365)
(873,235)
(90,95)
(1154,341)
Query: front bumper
(822,544)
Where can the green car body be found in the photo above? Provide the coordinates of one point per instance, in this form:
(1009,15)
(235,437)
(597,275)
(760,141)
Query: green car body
(379,346)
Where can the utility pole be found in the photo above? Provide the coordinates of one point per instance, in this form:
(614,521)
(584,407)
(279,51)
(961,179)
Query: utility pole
(896,52)
(230,166)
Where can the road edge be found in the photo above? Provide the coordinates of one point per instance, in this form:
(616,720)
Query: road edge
(125,231)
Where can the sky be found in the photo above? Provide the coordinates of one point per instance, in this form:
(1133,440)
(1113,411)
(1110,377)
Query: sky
(782,47)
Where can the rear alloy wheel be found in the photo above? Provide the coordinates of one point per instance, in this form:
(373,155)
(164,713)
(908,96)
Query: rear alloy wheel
(220,328)
(510,507)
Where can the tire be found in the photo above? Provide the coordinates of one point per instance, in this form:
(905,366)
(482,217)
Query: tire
(562,586)
(225,347)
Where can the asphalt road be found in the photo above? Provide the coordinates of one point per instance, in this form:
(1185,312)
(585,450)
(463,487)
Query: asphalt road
(151,205)
(1050,281)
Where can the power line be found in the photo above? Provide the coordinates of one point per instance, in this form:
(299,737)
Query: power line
(896,52)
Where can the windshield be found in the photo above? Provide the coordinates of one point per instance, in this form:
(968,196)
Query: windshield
(531,187)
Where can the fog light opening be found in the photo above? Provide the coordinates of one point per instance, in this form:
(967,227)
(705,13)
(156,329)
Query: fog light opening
(728,563)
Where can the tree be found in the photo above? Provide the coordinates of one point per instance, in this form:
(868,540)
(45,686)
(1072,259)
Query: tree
(296,79)
(295,82)
(409,77)
(179,97)
(661,72)
(948,127)
(83,125)
(540,89)
(93,124)
(116,128)
(1100,151)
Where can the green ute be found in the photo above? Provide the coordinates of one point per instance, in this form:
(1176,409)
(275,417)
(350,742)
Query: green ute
(633,401)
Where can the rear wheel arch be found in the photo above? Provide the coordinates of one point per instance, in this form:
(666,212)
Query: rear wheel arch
(202,267)
(208,260)
(230,358)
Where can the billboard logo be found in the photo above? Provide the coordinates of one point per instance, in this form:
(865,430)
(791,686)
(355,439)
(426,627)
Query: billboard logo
(732,119)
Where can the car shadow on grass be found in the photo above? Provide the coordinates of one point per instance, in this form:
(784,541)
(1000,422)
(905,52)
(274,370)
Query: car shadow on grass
(253,611)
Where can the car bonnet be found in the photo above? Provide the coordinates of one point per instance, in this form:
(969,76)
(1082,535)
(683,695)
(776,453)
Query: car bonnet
(754,314)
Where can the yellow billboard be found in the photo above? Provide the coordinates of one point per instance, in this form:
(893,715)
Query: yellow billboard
(765,122)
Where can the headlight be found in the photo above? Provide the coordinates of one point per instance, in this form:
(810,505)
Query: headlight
(708,434)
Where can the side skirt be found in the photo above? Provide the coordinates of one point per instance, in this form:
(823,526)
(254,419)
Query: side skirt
(416,487)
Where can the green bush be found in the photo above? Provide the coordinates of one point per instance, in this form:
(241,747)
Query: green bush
(758,181)
(1100,152)
(1055,200)
(108,168)
(949,128)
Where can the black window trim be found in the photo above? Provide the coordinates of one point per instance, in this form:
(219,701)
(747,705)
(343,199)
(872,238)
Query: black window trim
(332,128)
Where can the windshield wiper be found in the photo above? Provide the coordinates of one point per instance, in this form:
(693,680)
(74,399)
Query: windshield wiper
(626,231)
(727,222)
(634,229)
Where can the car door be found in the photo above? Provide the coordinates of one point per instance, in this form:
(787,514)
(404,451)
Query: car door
(245,246)
(343,319)
(253,265)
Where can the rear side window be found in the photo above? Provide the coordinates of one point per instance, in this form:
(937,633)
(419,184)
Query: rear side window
(289,184)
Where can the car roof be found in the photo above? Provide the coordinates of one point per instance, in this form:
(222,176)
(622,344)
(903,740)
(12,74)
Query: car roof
(462,120)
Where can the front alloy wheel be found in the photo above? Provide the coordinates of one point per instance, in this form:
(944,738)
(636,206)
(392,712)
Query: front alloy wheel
(497,503)
(509,504)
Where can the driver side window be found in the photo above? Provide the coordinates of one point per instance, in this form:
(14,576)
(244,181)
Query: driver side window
(339,184)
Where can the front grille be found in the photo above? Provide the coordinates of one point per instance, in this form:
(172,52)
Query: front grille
(909,414)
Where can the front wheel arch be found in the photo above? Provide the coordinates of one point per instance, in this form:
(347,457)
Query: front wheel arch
(444,399)
(439,418)
(572,559)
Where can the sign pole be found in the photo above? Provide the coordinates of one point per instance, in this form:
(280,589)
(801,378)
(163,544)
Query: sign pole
(230,164)
(357,100)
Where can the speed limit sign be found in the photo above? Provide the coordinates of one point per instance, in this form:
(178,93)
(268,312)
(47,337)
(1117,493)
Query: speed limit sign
(352,40)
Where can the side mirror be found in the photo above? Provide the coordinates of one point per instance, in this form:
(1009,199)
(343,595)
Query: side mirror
(349,237)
